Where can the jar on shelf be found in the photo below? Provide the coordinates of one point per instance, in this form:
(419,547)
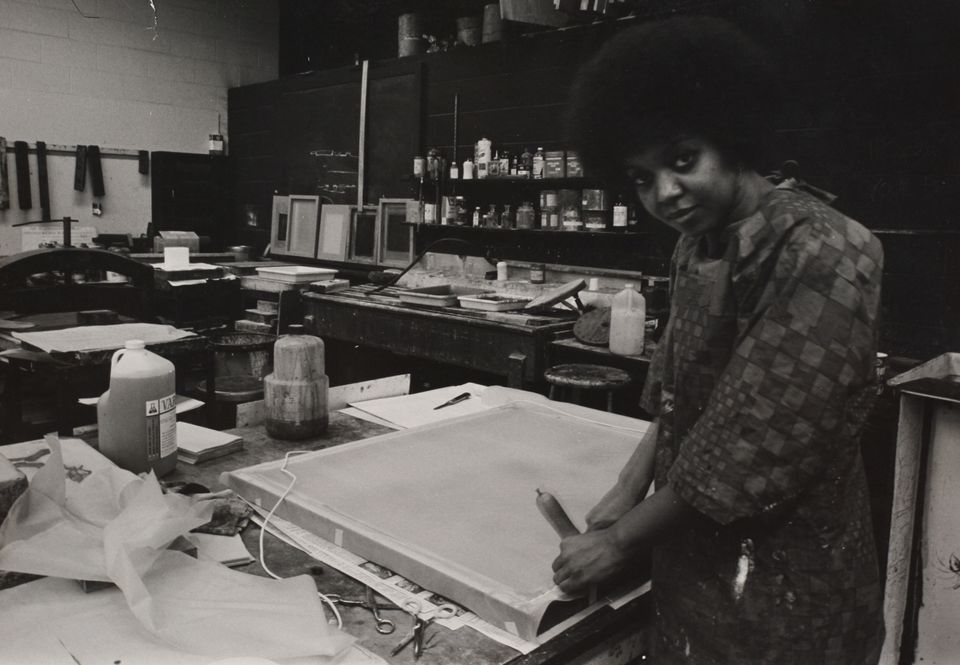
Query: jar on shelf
(525,216)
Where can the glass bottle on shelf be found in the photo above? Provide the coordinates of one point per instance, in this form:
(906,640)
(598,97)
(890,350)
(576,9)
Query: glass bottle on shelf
(525,168)
(506,217)
(477,216)
(493,168)
(490,219)
(504,163)
(536,163)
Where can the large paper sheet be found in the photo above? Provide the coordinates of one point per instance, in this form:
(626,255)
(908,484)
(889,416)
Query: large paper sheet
(452,505)
(98,338)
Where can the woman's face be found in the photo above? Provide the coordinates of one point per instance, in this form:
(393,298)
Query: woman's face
(687,184)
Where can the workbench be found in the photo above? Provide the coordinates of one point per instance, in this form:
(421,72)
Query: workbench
(606,636)
(78,374)
(512,345)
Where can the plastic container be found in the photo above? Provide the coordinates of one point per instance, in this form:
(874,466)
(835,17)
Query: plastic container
(628,317)
(137,416)
(295,394)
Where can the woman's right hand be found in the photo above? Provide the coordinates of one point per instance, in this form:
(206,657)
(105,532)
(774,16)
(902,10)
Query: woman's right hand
(614,505)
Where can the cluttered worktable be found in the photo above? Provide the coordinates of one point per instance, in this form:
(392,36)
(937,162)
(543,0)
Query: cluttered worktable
(607,635)
(509,344)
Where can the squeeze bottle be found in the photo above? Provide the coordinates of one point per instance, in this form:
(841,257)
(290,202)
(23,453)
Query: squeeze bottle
(137,415)
(628,315)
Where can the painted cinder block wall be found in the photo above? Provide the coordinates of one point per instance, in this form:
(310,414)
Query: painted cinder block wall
(119,81)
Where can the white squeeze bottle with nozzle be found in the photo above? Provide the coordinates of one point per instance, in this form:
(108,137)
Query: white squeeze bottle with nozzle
(628,316)
(137,416)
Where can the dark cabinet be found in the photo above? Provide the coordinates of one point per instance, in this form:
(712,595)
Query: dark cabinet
(191,192)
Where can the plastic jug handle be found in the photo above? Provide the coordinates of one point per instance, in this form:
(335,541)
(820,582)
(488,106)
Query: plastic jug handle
(115,358)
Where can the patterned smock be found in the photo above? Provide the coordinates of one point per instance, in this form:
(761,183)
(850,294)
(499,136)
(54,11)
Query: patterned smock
(761,384)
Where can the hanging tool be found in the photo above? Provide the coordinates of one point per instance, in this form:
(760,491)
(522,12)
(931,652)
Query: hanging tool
(96,170)
(80,169)
(43,185)
(23,175)
(368,602)
(4,177)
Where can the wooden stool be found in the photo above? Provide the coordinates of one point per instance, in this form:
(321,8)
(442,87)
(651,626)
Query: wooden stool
(577,377)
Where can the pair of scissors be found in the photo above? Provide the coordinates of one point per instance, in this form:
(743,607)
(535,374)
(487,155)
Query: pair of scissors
(369,602)
(421,619)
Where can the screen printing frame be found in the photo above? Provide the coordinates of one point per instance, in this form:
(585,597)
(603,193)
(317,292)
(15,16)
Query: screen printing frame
(425,496)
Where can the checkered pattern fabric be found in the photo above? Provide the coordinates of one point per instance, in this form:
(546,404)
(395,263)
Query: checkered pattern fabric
(761,384)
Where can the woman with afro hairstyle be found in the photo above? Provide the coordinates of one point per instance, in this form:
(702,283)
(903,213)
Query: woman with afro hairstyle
(759,528)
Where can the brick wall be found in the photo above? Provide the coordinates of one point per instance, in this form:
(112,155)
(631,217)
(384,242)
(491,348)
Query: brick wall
(115,81)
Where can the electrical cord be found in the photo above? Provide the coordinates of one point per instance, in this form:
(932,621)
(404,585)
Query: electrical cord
(266,520)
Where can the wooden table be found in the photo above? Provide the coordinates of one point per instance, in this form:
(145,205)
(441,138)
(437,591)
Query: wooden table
(75,373)
(509,344)
(607,636)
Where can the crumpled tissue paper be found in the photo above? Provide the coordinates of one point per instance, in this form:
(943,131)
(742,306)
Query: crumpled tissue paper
(116,526)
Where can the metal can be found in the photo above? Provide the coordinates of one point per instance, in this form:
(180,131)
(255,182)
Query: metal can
(537,274)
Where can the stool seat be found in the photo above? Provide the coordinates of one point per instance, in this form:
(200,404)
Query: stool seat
(584,376)
(587,377)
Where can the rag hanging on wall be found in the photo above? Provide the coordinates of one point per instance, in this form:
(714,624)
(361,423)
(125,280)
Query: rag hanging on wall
(43,186)
(80,170)
(4,176)
(96,172)
(23,175)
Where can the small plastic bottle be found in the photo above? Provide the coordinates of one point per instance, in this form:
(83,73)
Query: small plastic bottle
(477,216)
(628,317)
(619,215)
(468,169)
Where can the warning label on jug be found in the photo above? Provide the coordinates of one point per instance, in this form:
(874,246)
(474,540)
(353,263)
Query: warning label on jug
(161,427)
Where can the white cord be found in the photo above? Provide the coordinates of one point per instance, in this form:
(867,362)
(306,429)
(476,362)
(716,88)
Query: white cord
(263,529)
(576,417)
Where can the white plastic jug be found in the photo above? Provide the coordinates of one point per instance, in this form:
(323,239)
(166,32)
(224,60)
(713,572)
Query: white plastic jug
(137,416)
(628,315)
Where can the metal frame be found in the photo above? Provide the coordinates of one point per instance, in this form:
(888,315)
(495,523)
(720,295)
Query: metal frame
(388,206)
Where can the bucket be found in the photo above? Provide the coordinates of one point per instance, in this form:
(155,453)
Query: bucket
(240,361)
(409,35)
(469,29)
(492,23)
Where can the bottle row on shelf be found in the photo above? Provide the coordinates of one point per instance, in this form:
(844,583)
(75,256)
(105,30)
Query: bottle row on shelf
(559,210)
(487,163)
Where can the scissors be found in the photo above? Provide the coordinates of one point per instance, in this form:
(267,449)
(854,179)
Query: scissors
(369,602)
(421,619)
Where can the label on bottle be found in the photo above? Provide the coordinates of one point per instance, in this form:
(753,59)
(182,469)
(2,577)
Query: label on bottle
(161,427)
(620,216)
